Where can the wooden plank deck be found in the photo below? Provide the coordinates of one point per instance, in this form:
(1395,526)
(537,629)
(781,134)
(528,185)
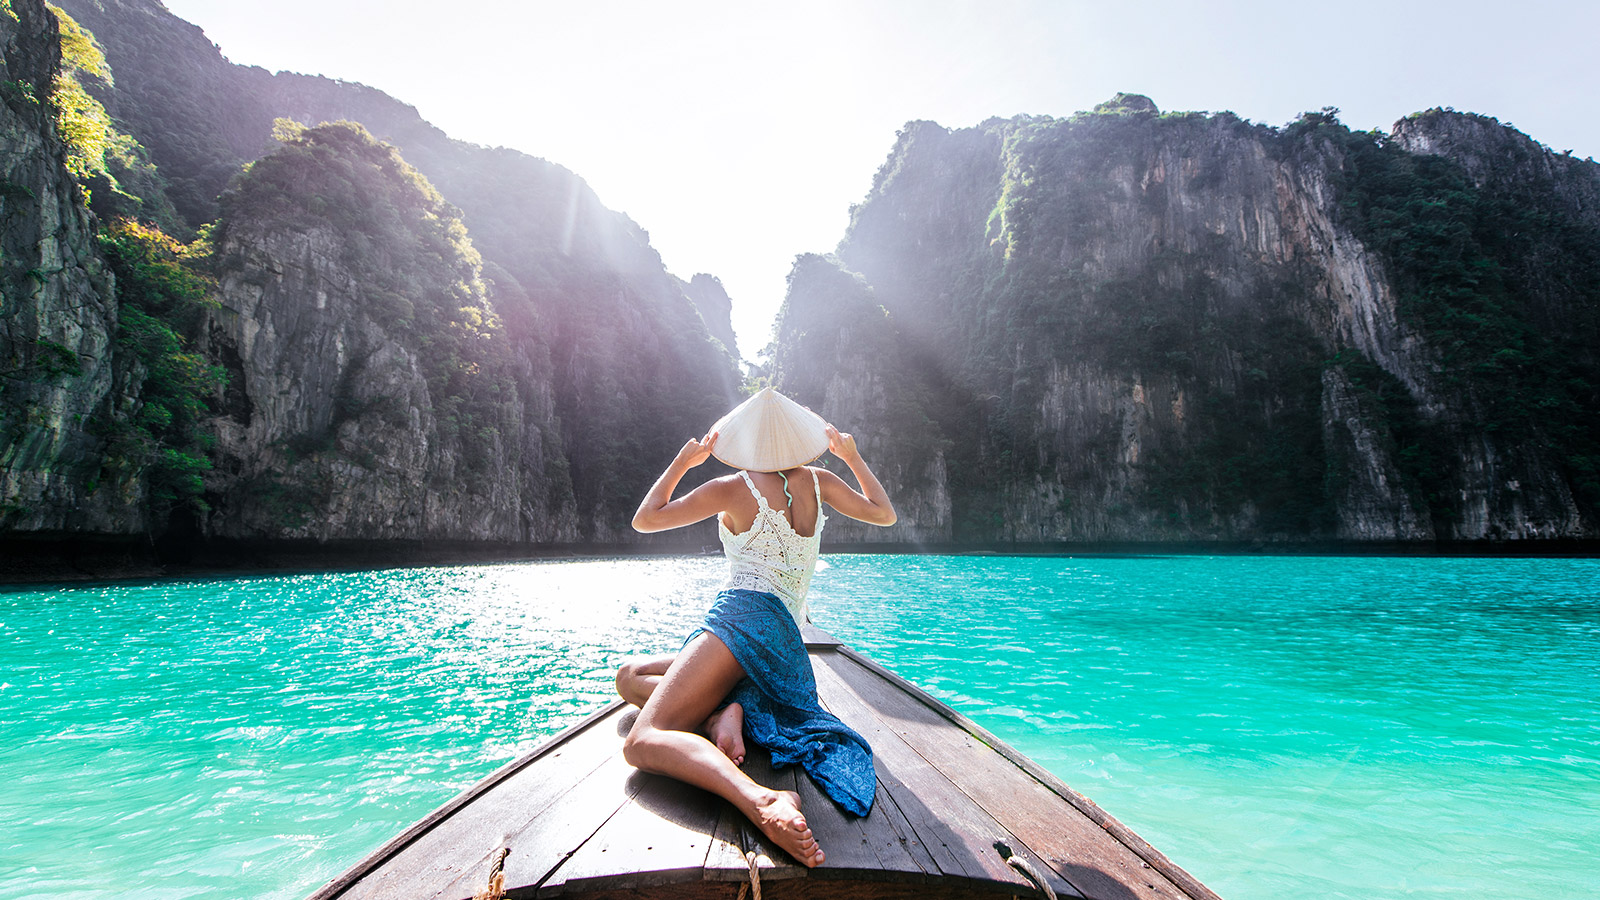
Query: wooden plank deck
(573,819)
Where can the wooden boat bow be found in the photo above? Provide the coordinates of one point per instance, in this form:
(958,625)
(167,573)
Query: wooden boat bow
(958,814)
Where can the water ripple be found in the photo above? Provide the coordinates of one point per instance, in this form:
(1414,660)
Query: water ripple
(1349,728)
(251,737)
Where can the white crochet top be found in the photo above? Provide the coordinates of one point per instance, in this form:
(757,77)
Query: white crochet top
(772,556)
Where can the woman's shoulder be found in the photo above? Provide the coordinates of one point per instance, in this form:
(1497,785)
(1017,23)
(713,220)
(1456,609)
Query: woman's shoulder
(726,482)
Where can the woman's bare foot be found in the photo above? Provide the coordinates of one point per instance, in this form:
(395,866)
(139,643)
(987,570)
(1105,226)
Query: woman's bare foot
(781,821)
(725,728)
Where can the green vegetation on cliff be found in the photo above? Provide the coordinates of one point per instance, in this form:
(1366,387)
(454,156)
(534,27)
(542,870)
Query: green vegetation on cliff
(419,276)
(1149,324)
(393,224)
(623,355)
(161,293)
(111,166)
(81,121)
(1518,337)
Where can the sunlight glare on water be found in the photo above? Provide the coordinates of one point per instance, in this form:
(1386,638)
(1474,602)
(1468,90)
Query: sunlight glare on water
(251,737)
(1349,728)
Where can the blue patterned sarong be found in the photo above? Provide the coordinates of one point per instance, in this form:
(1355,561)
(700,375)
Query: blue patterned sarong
(779,696)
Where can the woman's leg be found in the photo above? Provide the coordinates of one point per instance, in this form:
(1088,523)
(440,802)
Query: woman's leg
(638,677)
(665,740)
(636,681)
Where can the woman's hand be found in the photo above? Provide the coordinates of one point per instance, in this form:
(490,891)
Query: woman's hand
(658,511)
(842,445)
(871,503)
(696,452)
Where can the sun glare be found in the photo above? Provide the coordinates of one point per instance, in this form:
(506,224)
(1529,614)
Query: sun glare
(739,134)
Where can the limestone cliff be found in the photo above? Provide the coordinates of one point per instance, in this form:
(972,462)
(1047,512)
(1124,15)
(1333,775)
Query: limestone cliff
(633,366)
(1120,326)
(1176,327)
(711,300)
(59,373)
(331,359)
(375,393)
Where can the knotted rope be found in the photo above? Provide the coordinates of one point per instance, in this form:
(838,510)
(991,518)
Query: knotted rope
(496,889)
(1027,870)
(755,877)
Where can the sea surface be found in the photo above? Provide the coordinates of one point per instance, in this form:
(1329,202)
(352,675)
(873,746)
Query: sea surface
(1279,726)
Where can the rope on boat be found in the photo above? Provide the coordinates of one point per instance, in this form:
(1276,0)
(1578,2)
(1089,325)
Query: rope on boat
(1027,870)
(755,877)
(496,889)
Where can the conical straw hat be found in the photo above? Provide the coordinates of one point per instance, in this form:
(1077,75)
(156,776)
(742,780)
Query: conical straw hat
(769,432)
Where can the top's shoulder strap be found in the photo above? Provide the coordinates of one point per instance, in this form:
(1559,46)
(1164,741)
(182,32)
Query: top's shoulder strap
(752,486)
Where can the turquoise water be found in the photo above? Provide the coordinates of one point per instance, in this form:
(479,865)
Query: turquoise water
(1362,728)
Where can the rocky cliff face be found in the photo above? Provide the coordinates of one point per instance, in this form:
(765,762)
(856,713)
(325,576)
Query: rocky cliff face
(632,365)
(1122,326)
(840,352)
(61,374)
(375,393)
(711,300)
(508,397)
(1176,327)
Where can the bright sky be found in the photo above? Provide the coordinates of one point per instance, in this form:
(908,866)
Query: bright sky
(738,133)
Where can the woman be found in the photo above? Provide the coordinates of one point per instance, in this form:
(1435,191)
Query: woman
(749,651)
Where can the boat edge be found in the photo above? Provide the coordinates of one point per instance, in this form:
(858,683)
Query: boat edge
(1123,834)
(340,883)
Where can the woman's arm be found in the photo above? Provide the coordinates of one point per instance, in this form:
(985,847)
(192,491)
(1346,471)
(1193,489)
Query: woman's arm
(659,512)
(871,503)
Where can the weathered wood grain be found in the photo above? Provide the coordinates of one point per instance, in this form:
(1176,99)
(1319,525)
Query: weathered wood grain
(661,835)
(901,832)
(1079,849)
(435,851)
(735,834)
(542,845)
(811,889)
(959,835)
(864,847)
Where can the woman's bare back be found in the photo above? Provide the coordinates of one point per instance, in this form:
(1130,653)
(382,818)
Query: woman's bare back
(801,514)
